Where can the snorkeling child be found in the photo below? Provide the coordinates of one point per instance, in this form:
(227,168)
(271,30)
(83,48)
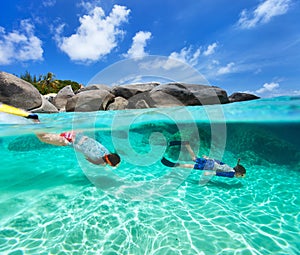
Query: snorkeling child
(212,166)
(93,151)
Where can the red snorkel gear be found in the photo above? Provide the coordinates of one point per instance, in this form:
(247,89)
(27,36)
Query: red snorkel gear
(69,136)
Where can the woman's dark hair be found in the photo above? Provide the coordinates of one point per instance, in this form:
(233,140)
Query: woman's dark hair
(114,159)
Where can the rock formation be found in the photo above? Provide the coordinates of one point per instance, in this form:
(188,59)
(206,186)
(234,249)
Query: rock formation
(19,93)
(239,96)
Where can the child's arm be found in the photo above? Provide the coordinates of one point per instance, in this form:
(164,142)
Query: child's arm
(54,139)
(96,162)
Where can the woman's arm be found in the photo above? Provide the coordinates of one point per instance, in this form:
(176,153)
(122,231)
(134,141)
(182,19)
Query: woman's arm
(54,139)
(168,163)
(190,150)
(210,173)
(186,165)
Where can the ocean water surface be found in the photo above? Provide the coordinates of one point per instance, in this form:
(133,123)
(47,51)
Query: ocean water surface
(55,202)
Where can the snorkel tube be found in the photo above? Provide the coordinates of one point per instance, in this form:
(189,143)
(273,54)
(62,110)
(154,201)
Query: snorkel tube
(18,112)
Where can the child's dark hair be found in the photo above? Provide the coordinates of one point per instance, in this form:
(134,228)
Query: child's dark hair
(239,169)
(114,159)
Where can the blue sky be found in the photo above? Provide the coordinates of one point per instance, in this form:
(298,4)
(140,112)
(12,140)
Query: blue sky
(248,46)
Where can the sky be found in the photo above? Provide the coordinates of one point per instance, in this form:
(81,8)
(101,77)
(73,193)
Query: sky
(241,46)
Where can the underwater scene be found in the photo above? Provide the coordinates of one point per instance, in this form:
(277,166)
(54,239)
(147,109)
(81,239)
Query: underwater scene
(53,201)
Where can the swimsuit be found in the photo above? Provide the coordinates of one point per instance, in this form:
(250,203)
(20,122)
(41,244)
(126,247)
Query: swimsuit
(206,164)
(211,164)
(86,145)
(226,174)
(68,135)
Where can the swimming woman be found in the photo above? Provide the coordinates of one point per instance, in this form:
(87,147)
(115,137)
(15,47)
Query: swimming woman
(211,166)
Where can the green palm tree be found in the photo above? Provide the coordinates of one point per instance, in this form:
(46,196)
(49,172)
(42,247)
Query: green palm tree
(48,82)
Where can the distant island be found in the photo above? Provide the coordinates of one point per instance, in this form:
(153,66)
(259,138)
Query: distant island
(47,95)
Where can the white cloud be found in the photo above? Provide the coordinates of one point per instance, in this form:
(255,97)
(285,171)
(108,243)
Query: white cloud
(295,93)
(273,89)
(89,5)
(187,55)
(49,3)
(20,45)
(268,87)
(229,68)
(96,36)
(165,63)
(139,43)
(269,90)
(263,13)
(210,49)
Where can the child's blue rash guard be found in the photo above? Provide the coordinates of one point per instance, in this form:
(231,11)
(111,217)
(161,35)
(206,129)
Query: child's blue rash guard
(206,164)
(225,174)
(209,164)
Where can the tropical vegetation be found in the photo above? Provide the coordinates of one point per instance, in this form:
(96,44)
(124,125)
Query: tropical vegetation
(47,83)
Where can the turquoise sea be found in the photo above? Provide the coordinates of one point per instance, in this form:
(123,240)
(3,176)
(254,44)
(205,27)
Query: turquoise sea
(55,202)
